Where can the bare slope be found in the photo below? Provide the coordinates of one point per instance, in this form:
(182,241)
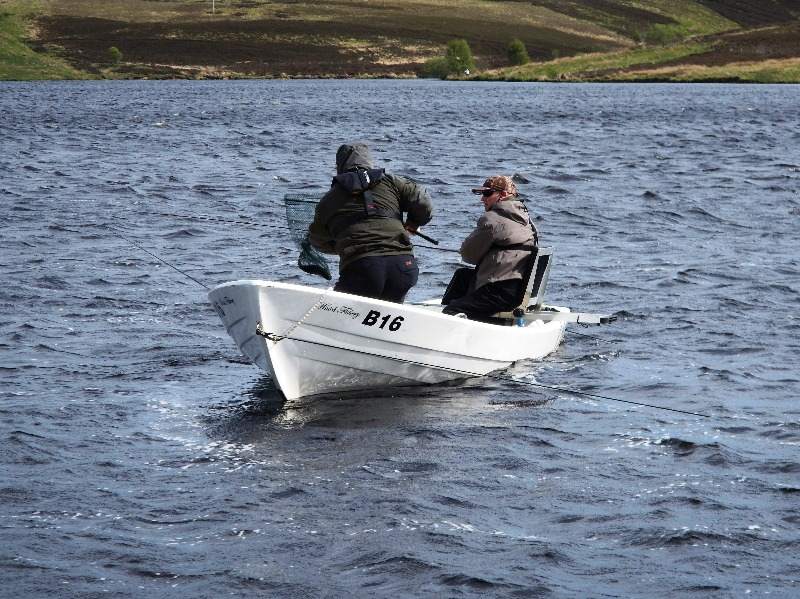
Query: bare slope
(336,38)
(755,13)
(566,39)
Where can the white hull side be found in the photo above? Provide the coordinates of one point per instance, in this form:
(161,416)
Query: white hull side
(347,342)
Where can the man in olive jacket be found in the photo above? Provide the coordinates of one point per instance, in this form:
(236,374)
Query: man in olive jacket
(500,246)
(361,220)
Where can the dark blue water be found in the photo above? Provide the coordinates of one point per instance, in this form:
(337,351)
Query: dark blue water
(141,456)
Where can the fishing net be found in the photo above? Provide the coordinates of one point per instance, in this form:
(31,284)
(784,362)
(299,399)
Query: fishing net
(299,215)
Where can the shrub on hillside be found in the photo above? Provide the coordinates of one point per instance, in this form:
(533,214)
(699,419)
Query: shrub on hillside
(435,68)
(114,55)
(459,58)
(517,53)
(457,62)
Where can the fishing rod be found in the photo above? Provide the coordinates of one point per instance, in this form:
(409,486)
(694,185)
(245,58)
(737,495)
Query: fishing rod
(425,237)
(276,338)
(148,252)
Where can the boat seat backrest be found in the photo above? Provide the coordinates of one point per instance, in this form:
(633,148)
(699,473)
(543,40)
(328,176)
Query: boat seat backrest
(534,277)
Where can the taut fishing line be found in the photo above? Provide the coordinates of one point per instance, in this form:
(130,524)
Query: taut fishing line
(149,253)
(250,223)
(277,338)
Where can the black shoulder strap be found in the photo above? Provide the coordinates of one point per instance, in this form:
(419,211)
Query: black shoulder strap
(530,222)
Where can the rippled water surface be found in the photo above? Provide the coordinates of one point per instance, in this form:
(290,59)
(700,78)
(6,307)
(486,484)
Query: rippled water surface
(142,456)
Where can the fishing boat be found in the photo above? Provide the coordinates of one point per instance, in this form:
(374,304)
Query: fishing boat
(314,341)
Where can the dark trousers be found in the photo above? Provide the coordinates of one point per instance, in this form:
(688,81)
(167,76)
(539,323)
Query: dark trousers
(381,277)
(485,301)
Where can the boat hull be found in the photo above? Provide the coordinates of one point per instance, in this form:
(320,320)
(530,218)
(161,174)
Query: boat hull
(314,341)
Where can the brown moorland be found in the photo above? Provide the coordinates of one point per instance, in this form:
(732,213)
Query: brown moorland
(340,38)
(763,43)
(394,38)
(755,13)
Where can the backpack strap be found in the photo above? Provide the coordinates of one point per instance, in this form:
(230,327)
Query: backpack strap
(368,179)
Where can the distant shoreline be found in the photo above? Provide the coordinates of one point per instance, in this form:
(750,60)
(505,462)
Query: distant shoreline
(377,78)
(611,43)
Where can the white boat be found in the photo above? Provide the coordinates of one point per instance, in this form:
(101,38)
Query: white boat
(318,341)
(314,341)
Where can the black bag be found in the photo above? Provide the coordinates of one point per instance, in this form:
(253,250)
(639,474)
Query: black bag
(462,283)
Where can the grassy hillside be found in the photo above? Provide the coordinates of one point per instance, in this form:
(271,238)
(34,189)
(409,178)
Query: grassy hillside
(762,55)
(18,61)
(566,39)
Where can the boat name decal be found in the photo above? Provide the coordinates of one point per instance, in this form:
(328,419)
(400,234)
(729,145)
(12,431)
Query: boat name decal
(343,310)
(373,317)
(222,302)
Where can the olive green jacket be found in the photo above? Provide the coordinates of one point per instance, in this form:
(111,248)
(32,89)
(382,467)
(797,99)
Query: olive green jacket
(341,226)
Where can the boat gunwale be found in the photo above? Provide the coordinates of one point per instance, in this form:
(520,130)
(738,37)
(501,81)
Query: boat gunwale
(420,308)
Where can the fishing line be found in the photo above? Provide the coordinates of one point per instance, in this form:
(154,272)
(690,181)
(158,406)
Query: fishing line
(589,336)
(64,351)
(247,223)
(148,252)
(215,219)
(276,338)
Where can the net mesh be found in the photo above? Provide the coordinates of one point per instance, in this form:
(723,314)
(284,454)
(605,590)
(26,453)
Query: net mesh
(299,215)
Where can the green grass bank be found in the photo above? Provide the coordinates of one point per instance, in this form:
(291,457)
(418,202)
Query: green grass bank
(18,60)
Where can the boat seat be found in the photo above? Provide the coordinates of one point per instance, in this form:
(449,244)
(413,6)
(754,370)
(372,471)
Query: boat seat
(535,275)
